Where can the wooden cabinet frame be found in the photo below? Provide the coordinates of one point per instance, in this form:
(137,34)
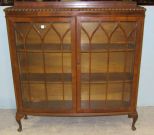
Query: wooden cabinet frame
(74,14)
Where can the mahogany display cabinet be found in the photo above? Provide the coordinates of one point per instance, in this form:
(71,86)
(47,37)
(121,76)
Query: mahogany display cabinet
(75,58)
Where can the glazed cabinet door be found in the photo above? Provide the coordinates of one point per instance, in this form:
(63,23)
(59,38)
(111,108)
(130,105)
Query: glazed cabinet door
(105,63)
(45,52)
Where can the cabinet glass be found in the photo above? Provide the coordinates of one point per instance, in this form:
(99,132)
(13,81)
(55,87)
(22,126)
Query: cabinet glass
(45,61)
(107,51)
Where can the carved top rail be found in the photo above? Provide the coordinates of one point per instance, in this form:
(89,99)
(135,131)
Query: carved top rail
(76,8)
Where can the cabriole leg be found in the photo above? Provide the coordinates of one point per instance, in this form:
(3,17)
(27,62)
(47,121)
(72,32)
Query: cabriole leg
(135,117)
(18,119)
(20,126)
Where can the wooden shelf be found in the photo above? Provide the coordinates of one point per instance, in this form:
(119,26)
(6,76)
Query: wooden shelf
(47,48)
(67,77)
(103,77)
(112,47)
(105,105)
(67,104)
(54,105)
(49,77)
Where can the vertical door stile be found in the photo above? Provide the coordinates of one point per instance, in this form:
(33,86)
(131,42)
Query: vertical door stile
(137,61)
(133,61)
(74,41)
(89,81)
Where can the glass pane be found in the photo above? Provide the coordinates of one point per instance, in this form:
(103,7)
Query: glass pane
(84,96)
(114,92)
(116,62)
(53,62)
(98,62)
(37,93)
(30,37)
(107,58)
(127,92)
(98,96)
(44,57)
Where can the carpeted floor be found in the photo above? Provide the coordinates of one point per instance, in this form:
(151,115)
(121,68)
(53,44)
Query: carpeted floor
(104,125)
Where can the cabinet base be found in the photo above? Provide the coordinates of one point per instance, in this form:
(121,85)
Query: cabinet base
(19,116)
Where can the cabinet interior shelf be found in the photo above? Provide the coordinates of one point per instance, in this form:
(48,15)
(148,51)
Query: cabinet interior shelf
(112,47)
(55,104)
(44,47)
(49,77)
(103,77)
(67,104)
(104,104)
(47,48)
(85,77)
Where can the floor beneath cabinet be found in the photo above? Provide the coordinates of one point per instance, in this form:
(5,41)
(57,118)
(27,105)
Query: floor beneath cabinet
(113,125)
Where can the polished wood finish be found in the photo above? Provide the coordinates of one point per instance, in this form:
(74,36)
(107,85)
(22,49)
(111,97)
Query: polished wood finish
(75,58)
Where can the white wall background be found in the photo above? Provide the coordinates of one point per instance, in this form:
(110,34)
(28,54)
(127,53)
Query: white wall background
(146,87)
(7,99)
